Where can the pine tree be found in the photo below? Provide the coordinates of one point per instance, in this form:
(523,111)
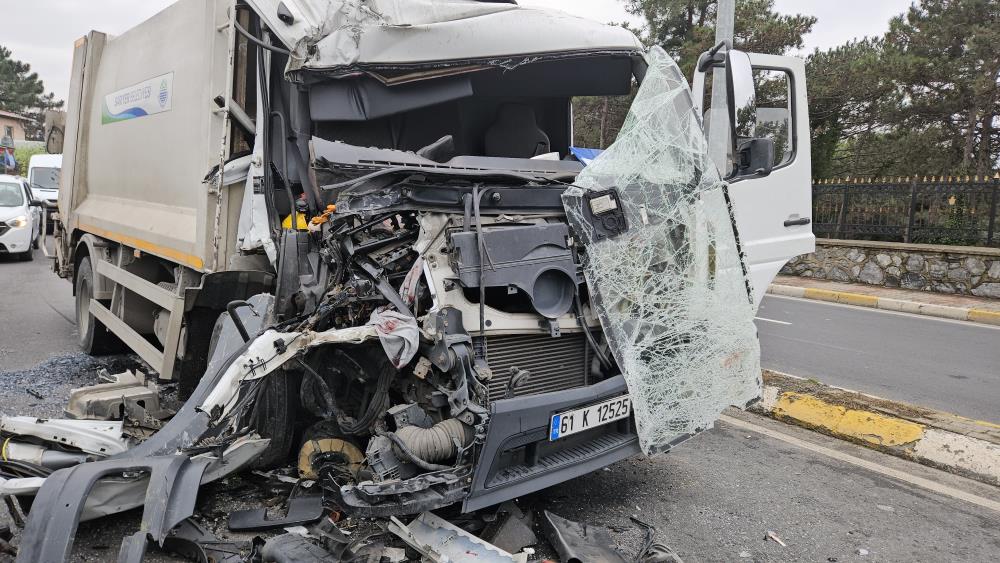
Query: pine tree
(686,28)
(21,91)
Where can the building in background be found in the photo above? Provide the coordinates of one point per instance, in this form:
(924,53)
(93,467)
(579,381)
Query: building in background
(13,125)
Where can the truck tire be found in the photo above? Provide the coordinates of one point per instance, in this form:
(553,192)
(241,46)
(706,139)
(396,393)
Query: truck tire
(275,418)
(95,339)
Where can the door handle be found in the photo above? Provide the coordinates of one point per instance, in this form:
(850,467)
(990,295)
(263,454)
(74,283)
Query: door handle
(797,222)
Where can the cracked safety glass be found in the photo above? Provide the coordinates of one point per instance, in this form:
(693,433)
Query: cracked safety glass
(663,265)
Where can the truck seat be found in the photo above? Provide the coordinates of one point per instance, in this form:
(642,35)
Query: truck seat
(515,133)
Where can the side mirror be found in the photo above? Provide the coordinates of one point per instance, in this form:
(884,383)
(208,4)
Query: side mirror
(35,203)
(753,157)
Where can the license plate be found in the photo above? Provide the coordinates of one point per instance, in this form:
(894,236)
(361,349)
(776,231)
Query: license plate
(578,420)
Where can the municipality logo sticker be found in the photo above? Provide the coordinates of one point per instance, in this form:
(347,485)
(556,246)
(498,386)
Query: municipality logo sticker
(164,93)
(148,97)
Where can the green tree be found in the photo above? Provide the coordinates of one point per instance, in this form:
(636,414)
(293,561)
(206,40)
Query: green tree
(949,64)
(21,91)
(686,28)
(923,99)
(853,103)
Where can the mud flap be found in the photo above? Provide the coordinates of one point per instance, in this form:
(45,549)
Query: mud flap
(663,265)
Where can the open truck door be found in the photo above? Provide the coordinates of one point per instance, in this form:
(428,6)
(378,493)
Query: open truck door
(772,204)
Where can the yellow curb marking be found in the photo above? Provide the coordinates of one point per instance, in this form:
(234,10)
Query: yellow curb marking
(841,297)
(983,316)
(861,425)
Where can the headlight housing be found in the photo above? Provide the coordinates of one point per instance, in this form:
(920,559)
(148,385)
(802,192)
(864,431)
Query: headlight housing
(18,222)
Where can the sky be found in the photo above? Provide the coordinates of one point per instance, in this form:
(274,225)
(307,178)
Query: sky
(42,32)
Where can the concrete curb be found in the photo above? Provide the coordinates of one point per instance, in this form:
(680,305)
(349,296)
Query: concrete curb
(862,300)
(960,445)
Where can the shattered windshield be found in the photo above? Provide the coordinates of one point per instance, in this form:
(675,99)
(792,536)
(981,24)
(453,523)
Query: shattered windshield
(663,265)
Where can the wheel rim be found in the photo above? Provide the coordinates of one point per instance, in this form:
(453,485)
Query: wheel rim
(83,309)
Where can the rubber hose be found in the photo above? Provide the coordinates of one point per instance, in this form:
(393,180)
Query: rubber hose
(436,443)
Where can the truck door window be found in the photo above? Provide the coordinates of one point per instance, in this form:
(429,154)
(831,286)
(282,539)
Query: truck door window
(774,112)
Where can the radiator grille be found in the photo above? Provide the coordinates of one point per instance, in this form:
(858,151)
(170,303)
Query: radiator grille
(555,363)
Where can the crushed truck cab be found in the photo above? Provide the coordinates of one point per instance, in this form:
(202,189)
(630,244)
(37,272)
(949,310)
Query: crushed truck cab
(360,239)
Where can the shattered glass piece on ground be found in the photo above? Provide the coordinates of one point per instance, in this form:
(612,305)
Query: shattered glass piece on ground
(669,284)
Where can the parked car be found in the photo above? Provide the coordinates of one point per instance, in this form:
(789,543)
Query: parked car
(43,175)
(20,218)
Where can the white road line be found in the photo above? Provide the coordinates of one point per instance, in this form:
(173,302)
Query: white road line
(871,466)
(772,321)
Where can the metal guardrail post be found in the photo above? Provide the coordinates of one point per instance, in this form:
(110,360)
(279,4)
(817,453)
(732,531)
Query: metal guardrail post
(908,237)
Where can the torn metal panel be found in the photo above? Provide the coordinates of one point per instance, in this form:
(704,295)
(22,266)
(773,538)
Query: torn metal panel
(98,438)
(22,486)
(107,401)
(340,34)
(270,351)
(451,543)
(301,510)
(663,265)
(56,511)
(191,540)
(170,499)
(577,542)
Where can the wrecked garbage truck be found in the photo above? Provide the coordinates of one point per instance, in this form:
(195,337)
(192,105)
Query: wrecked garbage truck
(361,239)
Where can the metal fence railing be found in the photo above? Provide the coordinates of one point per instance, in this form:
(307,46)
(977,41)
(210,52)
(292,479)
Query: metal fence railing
(930,210)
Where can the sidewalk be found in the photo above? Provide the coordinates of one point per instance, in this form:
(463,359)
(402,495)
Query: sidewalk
(957,444)
(958,307)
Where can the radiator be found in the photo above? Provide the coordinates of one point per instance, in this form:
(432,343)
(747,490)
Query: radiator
(555,363)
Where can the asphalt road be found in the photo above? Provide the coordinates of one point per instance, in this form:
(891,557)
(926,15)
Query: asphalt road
(713,498)
(949,365)
(37,319)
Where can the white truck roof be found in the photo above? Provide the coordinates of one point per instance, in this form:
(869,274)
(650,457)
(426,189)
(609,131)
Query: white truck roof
(340,34)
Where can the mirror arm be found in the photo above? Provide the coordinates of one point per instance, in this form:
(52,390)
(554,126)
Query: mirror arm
(713,56)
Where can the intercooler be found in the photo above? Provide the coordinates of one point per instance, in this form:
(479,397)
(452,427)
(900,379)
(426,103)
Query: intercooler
(555,364)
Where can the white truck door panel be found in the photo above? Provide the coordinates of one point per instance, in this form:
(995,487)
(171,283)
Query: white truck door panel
(774,213)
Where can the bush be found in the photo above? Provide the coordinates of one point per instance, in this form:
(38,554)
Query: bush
(23,154)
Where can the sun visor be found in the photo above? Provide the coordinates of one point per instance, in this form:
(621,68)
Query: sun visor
(363,99)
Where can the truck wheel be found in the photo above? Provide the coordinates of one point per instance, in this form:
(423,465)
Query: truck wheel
(95,339)
(275,417)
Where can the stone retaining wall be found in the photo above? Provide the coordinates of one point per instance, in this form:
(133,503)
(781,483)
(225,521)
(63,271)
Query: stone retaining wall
(963,270)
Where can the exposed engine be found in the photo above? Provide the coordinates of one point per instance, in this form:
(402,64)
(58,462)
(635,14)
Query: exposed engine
(481,302)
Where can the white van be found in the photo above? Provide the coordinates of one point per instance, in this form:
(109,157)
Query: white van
(43,175)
